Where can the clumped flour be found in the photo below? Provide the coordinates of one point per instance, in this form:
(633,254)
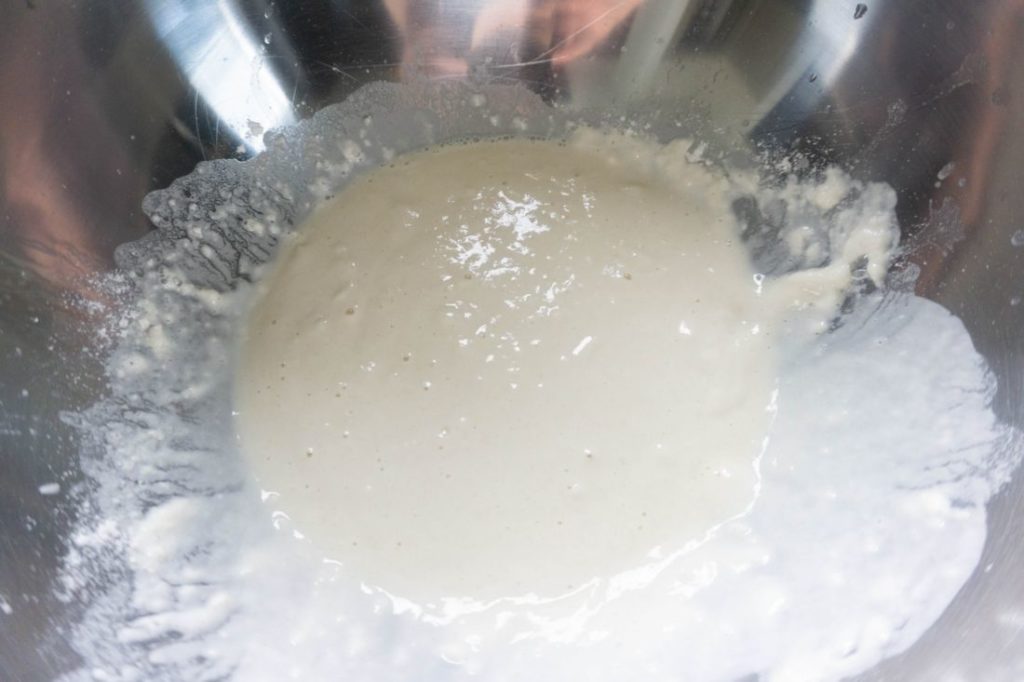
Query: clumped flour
(559,403)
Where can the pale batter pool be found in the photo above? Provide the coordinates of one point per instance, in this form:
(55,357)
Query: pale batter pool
(509,368)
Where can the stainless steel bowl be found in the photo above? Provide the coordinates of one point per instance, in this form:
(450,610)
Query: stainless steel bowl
(101,102)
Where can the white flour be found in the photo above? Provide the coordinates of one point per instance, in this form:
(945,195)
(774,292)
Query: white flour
(832,546)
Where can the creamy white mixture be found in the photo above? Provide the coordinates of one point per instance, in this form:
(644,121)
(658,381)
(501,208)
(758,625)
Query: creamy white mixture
(509,368)
(523,410)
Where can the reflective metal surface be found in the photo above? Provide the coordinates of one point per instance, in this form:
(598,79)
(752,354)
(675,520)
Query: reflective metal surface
(101,102)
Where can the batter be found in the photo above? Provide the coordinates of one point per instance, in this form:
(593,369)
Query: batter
(509,368)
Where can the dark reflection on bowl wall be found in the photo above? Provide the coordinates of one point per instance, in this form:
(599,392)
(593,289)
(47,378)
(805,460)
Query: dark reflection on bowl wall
(105,101)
